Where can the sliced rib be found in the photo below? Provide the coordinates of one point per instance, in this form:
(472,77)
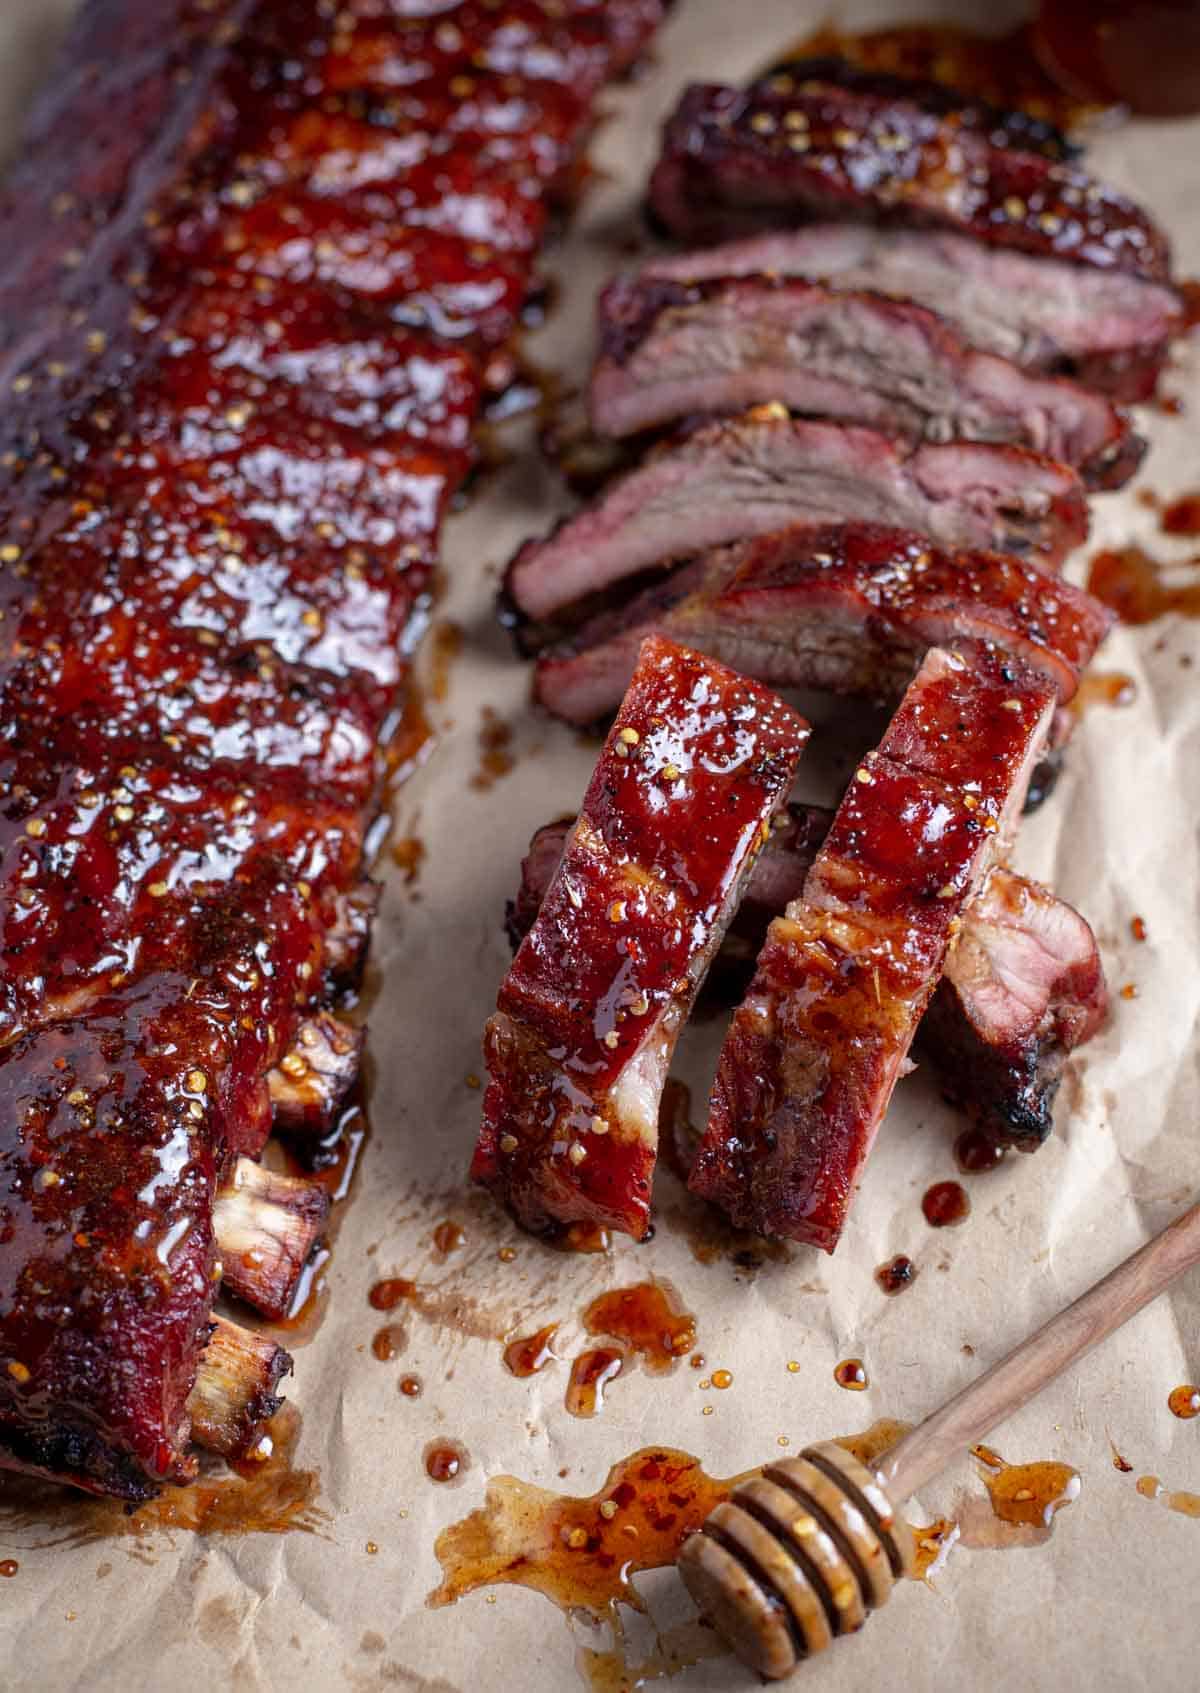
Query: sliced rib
(670,350)
(818,1043)
(736,160)
(1108,328)
(577,1052)
(848,607)
(760,472)
(1024,984)
(1024,987)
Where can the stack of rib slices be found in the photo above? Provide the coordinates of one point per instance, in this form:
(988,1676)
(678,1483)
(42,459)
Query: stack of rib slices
(865,419)
(260,260)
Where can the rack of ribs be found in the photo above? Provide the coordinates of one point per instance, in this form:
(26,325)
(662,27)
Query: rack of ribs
(260,260)
(678,808)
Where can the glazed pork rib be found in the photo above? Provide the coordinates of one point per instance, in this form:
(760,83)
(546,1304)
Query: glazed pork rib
(751,475)
(669,350)
(1107,328)
(679,805)
(822,1035)
(1024,984)
(736,160)
(259,263)
(846,607)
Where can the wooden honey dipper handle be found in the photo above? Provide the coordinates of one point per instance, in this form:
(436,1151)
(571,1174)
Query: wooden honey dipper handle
(964,1420)
(799,1555)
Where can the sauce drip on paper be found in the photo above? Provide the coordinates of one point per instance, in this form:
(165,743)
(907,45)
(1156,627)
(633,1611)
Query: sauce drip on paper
(529,1353)
(1131,581)
(975,1153)
(897,1274)
(1027,1494)
(267,1495)
(945,1205)
(646,1322)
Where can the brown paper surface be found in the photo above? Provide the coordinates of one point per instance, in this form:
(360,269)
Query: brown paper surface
(1110,1601)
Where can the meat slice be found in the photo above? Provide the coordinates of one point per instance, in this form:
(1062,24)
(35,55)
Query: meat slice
(818,1043)
(1024,984)
(760,472)
(848,607)
(1023,988)
(577,1052)
(669,350)
(735,160)
(1107,328)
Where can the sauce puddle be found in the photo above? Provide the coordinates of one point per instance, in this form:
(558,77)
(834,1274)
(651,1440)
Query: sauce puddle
(646,1322)
(1022,1502)
(1132,583)
(582,1553)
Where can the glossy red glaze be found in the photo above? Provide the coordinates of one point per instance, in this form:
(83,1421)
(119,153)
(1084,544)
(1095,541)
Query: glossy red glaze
(735,160)
(246,299)
(844,607)
(678,806)
(821,1038)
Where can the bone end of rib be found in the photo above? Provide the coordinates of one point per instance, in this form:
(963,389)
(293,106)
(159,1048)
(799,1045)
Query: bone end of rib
(234,1395)
(266,1227)
(311,1083)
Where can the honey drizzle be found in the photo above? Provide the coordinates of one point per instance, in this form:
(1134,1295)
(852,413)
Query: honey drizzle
(581,1553)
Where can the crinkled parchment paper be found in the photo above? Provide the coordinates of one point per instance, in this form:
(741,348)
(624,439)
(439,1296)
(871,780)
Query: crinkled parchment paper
(1111,1600)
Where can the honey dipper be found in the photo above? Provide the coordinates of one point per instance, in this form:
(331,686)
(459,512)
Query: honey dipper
(800,1553)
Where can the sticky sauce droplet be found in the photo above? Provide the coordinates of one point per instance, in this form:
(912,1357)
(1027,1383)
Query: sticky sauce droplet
(386,1295)
(897,1274)
(1184,1401)
(722,1378)
(945,1205)
(445,1460)
(448,1236)
(974,1153)
(851,1374)
(529,1353)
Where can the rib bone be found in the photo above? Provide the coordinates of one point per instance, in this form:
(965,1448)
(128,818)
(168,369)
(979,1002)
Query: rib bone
(266,1227)
(235,1387)
(310,1084)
